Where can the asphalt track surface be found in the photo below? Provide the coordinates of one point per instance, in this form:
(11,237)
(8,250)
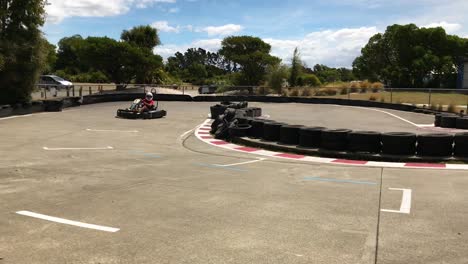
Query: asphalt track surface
(167,197)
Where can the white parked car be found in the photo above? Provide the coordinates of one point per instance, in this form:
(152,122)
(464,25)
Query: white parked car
(54,82)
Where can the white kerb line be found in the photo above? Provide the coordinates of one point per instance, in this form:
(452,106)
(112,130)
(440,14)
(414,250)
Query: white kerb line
(110,130)
(241,163)
(405,206)
(401,118)
(68,222)
(103,148)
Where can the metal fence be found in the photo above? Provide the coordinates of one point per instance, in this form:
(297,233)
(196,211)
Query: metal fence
(45,91)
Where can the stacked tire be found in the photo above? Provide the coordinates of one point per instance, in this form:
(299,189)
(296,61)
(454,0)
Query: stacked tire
(272,131)
(435,145)
(289,134)
(399,143)
(334,139)
(461,123)
(448,121)
(365,141)
(257,128)
(239,130)
(310,137)
(461,145)
(217,110)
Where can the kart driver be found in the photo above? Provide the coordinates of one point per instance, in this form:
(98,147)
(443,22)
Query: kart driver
(147,104)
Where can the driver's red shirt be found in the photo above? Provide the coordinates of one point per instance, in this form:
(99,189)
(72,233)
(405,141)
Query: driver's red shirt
(148,103)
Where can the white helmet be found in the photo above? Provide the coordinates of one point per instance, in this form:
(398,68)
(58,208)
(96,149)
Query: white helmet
(149,95)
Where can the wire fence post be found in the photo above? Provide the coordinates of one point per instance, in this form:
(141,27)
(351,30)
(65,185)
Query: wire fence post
(73,90)
(68,92)
(348,92)
(80,92)
(90,90)
(391,95)
(183,90)
(45,93)
(430,94)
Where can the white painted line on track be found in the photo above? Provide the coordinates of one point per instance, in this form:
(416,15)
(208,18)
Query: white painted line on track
(241,163)
(68,222)
(186,133)
(405,206)
(16,116)
(103,148)
(110,130)
(390,114)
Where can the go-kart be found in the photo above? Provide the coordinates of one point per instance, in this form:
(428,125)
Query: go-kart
(133,112)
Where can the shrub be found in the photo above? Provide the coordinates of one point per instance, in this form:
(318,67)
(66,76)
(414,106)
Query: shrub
(294,92)
(451,108)
(276,75)
(440,107)
(326,92)
(310,80)
(382,99)
(284,92)
(377,87)
(344,90)
(263,90)
(364,90)
(305,92)
(365,84)
(372,98)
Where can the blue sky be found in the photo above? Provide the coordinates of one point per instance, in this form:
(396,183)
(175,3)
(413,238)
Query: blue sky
(330,32)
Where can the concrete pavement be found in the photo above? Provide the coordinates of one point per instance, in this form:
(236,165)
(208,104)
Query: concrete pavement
(173,203)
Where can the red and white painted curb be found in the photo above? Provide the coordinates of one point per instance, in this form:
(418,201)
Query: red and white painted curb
(203,133)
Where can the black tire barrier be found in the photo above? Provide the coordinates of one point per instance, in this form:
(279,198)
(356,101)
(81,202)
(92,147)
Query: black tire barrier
(462,123)
(243,120)
(399,143)
(53,105)
(310,137)
(239,130)
(272,131)
(435,145)
(229,114)
(448,121)
(217,110)
(334,139)
(364,141)
(438,120)
(222,132)
(290,134)
(257,111)
(215,124)
(461,145)
(257,128)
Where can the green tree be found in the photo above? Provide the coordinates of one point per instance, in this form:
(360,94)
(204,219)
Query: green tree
(251,54)
(296,68)
(120,61)
(142,36)
(21,48)
(311,80)
(276,75)
(405,55)
(51,57)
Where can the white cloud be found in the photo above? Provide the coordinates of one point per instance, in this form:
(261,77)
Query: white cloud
(170,49)
(164,26)
(173,10)
(449,27)
(221,30)
(57,10)
(337,48)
